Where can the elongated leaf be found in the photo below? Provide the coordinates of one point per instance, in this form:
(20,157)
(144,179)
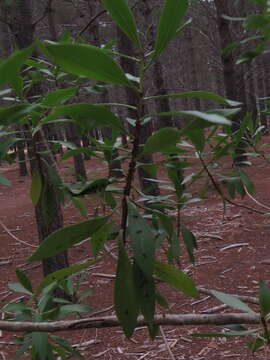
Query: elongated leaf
(18,287)
(100,237)
(24,280)
(41,344)
(6,144)
(81,150)
(4,181)
(57,96)
(122,15)
(87,115)
(64,238)
(198,94)
(89,61)
(125,300)
(162,139)
(80,206)
(10,67)
(190,241)
(176,278)
(88,187)
(227,334)
(264,295)
(15,113)
(73,308)
(145,290)
(210,118)
(36,187)
(63,273)
(171,17)
(142,240)
(232,301)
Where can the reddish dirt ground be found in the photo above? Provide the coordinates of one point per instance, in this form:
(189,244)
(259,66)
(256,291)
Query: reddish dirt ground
(234,270)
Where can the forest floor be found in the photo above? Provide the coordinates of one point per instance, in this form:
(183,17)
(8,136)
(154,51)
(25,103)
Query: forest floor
(234,270)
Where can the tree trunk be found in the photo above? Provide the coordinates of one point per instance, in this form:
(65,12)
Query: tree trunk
(233,78)
(48,214)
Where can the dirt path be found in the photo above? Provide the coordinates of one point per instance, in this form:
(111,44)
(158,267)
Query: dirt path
(230,269)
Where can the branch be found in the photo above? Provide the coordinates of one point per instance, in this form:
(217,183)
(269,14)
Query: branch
(47,9)
(91,21)
(112,321)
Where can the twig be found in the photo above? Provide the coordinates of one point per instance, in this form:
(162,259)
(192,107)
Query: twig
(91,21)
(249,299)
(255,200)
(102,311)
(166,343)
(233,246)
(109,252)
(223,197)
(15,237)
(214,309)
(112,321)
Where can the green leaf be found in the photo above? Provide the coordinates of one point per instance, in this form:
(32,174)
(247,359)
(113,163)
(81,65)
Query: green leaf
(197,138)
(246,181)
(228,334)
(142,240)
(171,17)
(125,300)
(24,280)
(81,150)
(88,187)
(64,238)
(176,278)
(190,241)
(80,206)
(13,114)
(63,273)
(257,344)
(36,187)
(161,300)
(122,15)
(100,237)
(73,308)
(204,119)
(4,181)
(161,140)
(232,301)
(87,116)
(17,287)
(198,94)
(10,67)
(89,61)
(145,290)
(264,295)
(57,96)
(41,344)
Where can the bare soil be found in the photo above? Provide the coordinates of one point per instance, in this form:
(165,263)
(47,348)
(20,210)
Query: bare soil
(235,270)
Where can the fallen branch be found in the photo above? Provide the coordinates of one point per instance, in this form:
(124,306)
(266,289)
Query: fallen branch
(112,321)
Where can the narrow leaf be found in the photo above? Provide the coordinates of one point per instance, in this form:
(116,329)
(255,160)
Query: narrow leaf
(64,238)
(122,15)
(142,240)
(232,301)
(171,17)
(36,187)
(176,278)
(198,94)
(87,116)
(63,273)
(124,294)
(162,139)
(24,280)
(89,61)
(264,295)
